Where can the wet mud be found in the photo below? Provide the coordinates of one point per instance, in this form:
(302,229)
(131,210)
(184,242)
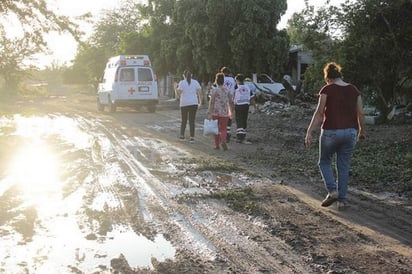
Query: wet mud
(89,192)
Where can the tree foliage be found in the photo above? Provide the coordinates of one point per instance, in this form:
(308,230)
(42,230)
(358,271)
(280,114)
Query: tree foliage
(314,31)
(377,50)
(29,20)
(87,67)
(13,52)
(238,34)
(370,38)
(202,35)
(110,37)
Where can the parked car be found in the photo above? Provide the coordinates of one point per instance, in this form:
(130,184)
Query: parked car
(265,84)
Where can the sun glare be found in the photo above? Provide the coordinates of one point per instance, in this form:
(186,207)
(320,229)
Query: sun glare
(34,166)
(35,170)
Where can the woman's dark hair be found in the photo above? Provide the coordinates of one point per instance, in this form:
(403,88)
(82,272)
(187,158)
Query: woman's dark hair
(220,78)
(332,71)
(188,76)
(240,78)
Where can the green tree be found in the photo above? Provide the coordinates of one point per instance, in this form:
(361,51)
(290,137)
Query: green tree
(370,38)
(108,39)
(377,49)
(313,30)
(256,44)
(163,29)
(198,34)
(30,19)
(87,67)
(204,35)
(13,53)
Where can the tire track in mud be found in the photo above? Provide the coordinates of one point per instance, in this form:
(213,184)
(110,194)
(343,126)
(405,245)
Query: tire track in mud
(297,237)
(56,222)
(201,227)
(155,200)
(279,256)
(373,221)
(260,251)
(230,256)
(369,218)
(368,215)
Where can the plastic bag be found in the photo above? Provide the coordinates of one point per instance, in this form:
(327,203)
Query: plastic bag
(210,127)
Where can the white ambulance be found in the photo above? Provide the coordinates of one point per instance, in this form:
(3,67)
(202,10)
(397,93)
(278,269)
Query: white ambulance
(128,80)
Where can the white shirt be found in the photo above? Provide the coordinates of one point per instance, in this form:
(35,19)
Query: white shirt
(230,83)
(242,95)
(189,92)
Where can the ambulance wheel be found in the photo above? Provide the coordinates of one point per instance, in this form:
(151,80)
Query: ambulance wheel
(112,107)
(100,107)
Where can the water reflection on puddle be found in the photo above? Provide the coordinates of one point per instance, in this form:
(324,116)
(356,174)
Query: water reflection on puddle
(67,129)
(138,250)
(59,242)
(63,245)
(71,248)
(34,169)
(104,199)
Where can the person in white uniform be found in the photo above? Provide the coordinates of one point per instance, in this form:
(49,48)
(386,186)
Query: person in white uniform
(189,92)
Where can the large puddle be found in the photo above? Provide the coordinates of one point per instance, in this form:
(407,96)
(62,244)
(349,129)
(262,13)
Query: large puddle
(48,167)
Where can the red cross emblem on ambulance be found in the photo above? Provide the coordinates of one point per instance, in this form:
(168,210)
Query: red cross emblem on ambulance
(131,91)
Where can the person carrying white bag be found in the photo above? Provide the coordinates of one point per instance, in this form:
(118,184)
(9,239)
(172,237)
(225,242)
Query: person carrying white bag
(210,127)
(220,109)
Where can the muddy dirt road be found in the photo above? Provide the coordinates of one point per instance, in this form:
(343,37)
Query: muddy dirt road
(83,191)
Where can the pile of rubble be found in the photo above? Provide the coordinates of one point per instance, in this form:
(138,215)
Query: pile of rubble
(273,104)
(273,108)
(400,114)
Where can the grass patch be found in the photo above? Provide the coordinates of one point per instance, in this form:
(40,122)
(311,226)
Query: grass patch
(241,200)
(383,167)
(213,164)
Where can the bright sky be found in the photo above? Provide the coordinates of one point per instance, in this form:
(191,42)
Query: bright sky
(64,47)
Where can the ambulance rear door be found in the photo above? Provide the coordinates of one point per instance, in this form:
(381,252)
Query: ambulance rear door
(136,83)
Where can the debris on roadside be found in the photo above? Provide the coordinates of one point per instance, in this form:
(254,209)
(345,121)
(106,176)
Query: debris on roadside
(400,114)
(272,108)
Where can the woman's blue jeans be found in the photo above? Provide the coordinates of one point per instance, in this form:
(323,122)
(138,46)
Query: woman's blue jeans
(342,143)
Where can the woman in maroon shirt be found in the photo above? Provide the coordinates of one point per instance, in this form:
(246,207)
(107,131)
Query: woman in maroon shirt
(339,112)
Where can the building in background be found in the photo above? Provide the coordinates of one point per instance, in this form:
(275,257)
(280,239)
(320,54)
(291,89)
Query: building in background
(299,60)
